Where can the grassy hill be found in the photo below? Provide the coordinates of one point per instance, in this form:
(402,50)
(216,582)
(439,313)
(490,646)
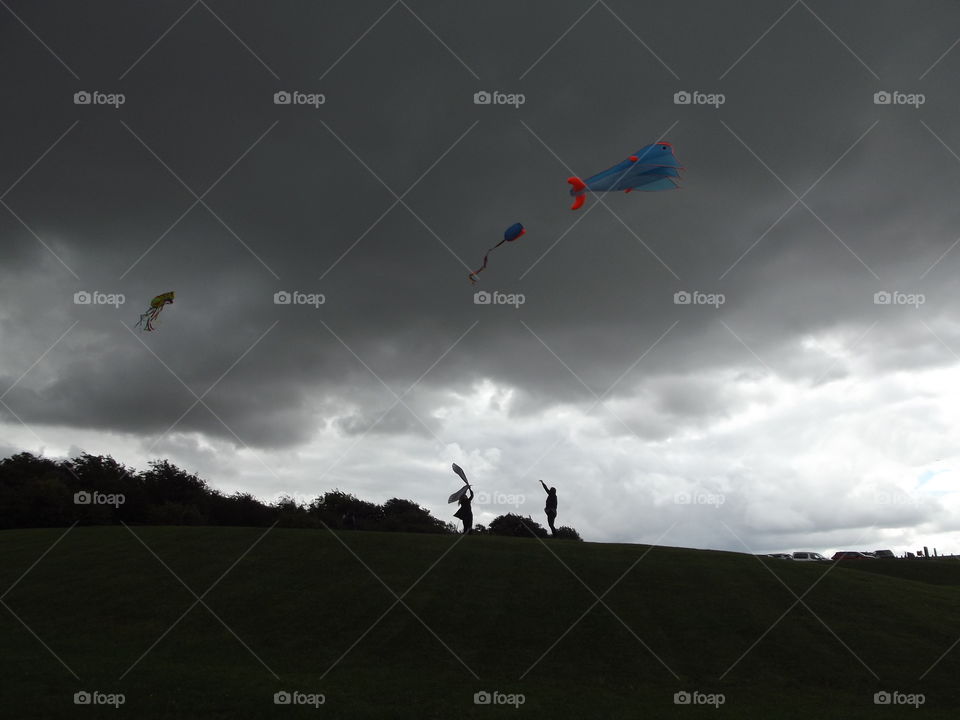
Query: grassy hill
(507,610)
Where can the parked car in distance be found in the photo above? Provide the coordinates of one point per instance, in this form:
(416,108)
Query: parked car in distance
(781,556)
(809,557)
(851,555)
(884,554)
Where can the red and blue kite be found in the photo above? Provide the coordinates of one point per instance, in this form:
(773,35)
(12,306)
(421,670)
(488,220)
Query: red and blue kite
(651,168)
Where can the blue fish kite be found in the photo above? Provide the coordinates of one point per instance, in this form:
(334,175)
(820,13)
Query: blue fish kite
(651,168)
(509,235)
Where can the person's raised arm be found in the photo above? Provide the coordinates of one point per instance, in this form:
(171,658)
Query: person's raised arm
(545,488)
(470,493)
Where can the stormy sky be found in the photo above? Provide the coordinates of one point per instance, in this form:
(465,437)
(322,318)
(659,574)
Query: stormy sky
(806,398)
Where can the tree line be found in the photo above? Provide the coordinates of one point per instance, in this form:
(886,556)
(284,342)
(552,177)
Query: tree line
(98,490)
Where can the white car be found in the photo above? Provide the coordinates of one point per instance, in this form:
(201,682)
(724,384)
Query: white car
(809,557)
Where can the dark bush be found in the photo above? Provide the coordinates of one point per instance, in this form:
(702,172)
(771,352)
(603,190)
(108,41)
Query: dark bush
(516,526)
(567,533)
(406,516)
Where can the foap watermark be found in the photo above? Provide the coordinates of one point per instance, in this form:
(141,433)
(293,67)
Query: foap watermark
(483,297)
(695,97)
(295,697)
(685,697)
(685,297)
(898,698)
(498,698)
(895,97)
(95,697)
(295,297)
(95,97)
(499,498)
(95,297)
(87,497)
(296,97)
(882,497)
(483,97)
(699,498)
(895,297)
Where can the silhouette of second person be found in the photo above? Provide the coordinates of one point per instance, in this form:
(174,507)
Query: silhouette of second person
(465,511)
(551,507)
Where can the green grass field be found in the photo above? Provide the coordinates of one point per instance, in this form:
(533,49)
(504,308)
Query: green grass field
(301,604)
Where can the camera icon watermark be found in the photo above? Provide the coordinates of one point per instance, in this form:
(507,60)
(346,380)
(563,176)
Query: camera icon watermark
(483,97)
(695,97)
(296,97)
(295,697)
(483,297)
(95,697)
(895,297)
(895,97)
(95,297)
(295,297)
(95,97)
(498,698)
(696,697)
(695,297)
(898,698)
(85,497)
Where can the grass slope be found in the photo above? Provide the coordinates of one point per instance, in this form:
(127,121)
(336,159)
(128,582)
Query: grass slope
(516,613)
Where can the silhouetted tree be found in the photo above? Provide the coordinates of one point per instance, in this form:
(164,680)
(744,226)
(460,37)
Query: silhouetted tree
(103,474)
(338,509)
(164,481)
(293,514)
(34,492)
(407,516)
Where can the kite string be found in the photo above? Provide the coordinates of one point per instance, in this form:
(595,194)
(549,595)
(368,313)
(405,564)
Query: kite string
(473,275)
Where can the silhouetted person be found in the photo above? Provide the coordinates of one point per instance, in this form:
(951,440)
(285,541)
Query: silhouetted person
(551,507)
(465,511)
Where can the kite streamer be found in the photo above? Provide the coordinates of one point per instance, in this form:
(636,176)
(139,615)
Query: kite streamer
(509,235)
(156,306)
